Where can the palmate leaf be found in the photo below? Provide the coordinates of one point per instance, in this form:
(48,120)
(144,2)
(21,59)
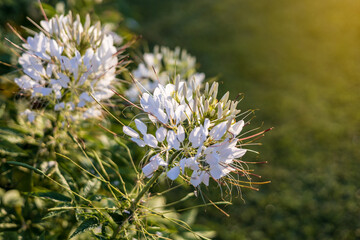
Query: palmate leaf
(52,196)
(86,225)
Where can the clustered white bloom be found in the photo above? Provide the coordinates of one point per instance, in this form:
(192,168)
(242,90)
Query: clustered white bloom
(198,129)
(158,66)
(66,62)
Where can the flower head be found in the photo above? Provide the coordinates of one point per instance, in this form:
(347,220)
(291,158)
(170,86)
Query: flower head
(158,66)
(197,128)
(67,62)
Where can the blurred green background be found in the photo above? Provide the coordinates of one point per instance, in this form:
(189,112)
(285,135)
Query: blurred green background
(296,61)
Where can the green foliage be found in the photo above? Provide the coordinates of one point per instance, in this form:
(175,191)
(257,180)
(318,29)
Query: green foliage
(86,225)
(55,196)
(25,166)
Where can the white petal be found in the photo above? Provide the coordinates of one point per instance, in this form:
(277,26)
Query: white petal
(212,159)
(149,59)
(64,80)
(180,133)
(205,178)
(152,118)
(81,103)
(139,142)
(173,173)
(161,115)
(150,140)
(85,96)
(182,164)
(159,161)
(148,170)
(130,132)
(192,164)
(172,141)
(25,82)
(148,104)
(179,114)
(236,128)
(217,172)
(43,91)
(49,69)
(239,153)
(161,134)
(59,106)
(196,137)
(29,114)
(141,126)
(195,179)
(218,131)
(206,125)
(169,109)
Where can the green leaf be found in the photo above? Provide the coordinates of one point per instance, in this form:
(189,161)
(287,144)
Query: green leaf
(20,164)
(97,198)
(190,216)
(118,217)
(91,187)
(53,196)
(86,225)
(53,214)
(9,148)
(4,129)
(58,210)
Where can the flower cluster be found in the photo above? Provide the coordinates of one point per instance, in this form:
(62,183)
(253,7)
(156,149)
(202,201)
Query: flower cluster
(158,66)
(67,62)
(199,130)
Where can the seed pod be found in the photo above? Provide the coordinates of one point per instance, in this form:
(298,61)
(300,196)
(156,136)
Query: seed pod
(220,112)
(225,97)
(185,90)
(206,88)
(216,90)
(177,82)
(212,88)
(206,106)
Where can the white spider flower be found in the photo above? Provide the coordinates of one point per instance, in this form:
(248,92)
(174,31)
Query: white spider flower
(67,62)
(30,115)
(158,66)
(198,129)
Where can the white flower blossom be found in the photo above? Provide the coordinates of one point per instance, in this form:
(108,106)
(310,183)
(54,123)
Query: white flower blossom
(198,129)
(30,115)
(67,62)
(158,66)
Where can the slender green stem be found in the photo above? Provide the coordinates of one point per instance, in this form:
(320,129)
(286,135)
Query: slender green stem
(137,200)
(143,191)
